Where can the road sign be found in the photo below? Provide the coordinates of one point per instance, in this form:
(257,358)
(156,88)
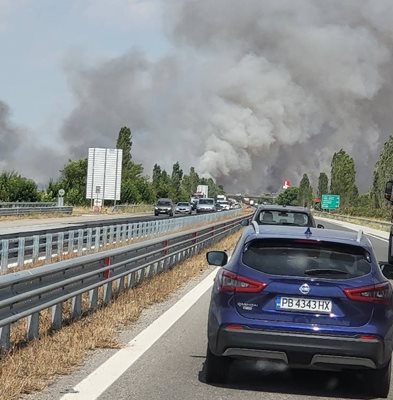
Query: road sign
(330,201)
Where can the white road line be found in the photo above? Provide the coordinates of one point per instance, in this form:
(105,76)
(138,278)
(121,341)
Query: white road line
(111,370)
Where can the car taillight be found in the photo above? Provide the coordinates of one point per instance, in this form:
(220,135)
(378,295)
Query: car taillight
(230,282)
(378,294)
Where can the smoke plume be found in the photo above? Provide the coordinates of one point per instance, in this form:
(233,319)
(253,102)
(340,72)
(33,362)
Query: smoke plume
(252,93)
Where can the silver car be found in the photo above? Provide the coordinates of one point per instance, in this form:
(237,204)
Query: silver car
(206,205)
(183,208)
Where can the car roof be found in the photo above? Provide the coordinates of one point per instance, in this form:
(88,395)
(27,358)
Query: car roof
(329,235)
(276,207)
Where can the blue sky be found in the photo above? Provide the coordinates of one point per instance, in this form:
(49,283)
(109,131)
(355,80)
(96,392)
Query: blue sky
(38,36)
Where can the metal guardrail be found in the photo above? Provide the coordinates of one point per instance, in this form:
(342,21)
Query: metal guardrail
(35,210)
(30,204)
(27,293)
(19,251)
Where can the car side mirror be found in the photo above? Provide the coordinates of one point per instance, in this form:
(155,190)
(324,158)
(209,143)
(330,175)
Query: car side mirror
(320,226)
(219,258)
(245,222)
(387,269)
(388,190)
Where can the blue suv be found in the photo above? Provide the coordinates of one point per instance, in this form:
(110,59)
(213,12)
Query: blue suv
(305,297)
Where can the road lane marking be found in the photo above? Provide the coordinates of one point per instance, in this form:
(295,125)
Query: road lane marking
(110,371)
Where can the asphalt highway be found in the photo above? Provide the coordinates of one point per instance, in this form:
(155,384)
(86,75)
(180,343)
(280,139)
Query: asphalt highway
(169,365)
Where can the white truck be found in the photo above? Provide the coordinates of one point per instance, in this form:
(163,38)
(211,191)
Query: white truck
(204,189)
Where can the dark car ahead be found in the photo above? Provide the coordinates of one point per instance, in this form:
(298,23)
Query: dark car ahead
(284,215)
(164,206)
(304,297)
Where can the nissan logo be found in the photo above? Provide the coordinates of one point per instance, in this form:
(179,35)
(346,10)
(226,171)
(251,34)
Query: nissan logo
(304,289)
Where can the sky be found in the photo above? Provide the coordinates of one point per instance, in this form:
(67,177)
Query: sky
(250,93)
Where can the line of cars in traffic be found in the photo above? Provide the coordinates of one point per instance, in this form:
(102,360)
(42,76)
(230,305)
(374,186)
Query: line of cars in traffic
(202,205)
(302,296)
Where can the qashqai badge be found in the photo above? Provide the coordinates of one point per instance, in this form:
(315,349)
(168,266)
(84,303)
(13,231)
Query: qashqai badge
(304,289)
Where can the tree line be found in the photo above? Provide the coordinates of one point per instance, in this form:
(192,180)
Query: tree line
(136,186)
(343,183)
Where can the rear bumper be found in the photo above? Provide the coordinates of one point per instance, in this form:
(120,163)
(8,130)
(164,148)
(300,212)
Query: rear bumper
(301,350)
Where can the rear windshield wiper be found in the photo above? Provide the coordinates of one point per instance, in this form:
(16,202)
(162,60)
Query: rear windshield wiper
(325,271)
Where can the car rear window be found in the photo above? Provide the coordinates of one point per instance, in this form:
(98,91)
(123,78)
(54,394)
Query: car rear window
(282,217)
(307,258)
(206,201)
(164,203)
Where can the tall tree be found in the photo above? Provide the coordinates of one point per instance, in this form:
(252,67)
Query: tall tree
(124,142)
(305,192)
(176,180)
(383,172)
(323,184)
(343,178)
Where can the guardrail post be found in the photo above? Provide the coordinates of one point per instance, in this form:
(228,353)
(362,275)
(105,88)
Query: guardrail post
(124,233)
(118,232)
(107,286)
(33,321)
(76,306)
(111,234)
(48,247)
(36,248)
(131,280)
(129,232)
(80,242)
(57,315)
(21,252)
(71,242)
(97,239)
(93,298)
(5,337)
(89,234)
(104,236)
(4,256)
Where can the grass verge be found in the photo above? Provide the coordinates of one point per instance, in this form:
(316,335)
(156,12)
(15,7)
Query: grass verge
(382,225)
(32,366)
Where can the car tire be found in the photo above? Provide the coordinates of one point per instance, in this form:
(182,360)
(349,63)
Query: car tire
(156,214)
(379,381)
(390,250)
(216,367)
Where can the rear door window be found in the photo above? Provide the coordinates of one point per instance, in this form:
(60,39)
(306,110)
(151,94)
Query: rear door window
(306,258)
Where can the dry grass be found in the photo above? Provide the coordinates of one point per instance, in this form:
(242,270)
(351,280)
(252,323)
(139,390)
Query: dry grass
(32,366)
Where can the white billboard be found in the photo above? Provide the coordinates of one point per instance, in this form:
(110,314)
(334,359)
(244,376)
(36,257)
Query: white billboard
(104,174)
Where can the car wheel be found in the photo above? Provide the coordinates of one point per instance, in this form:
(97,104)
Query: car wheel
(390,253)
(216,367)
(379,380)
(156,214)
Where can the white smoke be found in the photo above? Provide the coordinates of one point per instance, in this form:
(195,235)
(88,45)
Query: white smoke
(253,92)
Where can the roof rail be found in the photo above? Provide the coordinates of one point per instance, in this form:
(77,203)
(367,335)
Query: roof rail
(359,236)
(256,227)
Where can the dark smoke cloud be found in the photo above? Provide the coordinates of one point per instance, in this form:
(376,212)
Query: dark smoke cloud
(253,92)
(20,151)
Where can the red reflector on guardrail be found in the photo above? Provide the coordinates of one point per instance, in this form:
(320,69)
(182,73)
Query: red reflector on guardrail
(107,273)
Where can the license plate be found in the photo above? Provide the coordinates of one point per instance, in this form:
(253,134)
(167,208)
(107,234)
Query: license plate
(302,304)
